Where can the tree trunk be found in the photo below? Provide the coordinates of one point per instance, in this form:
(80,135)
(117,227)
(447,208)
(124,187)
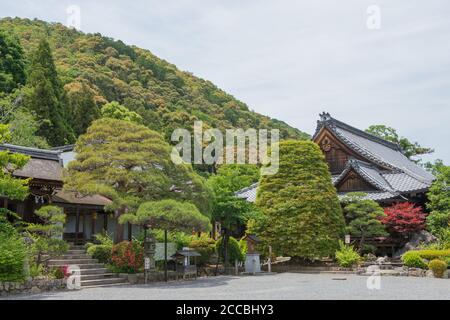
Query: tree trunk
(361,243)
(225,250)
(118,234)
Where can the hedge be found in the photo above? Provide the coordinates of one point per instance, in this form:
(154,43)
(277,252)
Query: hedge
(410,257)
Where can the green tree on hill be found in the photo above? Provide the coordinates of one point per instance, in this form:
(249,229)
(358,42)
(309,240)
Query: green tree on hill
(115,110)
(83,108)
(302,216)
(44,97)
(12,63)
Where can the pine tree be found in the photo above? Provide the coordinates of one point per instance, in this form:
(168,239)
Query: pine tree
(82,106)
(12,63)
(302,216)
(131,164)
(44,96)
(363,218)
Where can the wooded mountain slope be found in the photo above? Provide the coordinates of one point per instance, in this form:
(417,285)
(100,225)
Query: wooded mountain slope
(164,96)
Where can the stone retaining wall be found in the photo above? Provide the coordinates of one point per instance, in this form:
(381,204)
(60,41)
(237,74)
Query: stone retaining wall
(31,286)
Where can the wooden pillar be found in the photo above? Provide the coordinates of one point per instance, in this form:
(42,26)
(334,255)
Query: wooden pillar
(77,225)
(130,231)
(105,222)
(93,223)
(84,225)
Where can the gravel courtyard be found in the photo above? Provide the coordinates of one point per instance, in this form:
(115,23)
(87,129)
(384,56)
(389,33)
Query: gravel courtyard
(283,286)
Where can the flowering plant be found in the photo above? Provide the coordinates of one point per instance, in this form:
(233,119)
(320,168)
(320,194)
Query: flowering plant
(128,257)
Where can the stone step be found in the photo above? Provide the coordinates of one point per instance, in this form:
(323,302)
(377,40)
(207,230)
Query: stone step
(97,276)
(106,281)
(76,252)
(71,256)
(78,247)
(82,266)
(106,285)
(93,271)
(71,261)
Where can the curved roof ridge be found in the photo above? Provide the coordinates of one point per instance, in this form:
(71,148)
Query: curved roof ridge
(33,152)
(356,165)
(327,119)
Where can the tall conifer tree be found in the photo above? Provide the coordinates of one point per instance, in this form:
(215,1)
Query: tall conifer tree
(44,95)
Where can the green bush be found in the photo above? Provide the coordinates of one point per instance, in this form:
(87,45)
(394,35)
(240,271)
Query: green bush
(433,254)
(204,245)
(181,239)
(13,253)
(101,252)
(36,270)
(347,256)
(413,259)
(438,267)
(234,250)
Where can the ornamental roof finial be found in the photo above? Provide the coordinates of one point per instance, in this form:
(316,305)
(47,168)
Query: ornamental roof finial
(324,116)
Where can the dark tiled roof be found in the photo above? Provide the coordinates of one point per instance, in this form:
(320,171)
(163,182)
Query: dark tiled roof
(43,164)
(383,153)
(65,148)
(399,174)
(248,193)
(63,196)
(32,152)
(41,169)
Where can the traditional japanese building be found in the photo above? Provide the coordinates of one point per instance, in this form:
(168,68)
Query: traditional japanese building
(361,162)
(85,214)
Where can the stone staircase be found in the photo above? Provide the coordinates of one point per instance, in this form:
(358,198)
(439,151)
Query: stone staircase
(93,273)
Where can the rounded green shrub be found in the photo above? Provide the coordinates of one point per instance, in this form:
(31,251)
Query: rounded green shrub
(301,213)
(434,254)
(413,259)
(438,267)
(204,245)
(234,250)
(347,256)
(101,252)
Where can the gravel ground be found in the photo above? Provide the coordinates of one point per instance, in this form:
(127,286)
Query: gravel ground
(285,286)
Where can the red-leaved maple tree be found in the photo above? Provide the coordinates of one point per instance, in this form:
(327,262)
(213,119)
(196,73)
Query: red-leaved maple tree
(404,218)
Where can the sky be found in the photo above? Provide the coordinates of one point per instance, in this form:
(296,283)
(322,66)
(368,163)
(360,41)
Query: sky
(364,62)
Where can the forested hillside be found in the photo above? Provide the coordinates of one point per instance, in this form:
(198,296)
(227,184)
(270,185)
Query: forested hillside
(57,79)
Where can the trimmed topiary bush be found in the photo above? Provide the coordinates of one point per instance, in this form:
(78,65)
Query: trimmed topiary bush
(413,259)
(347,256)
(301,213)
(438,267)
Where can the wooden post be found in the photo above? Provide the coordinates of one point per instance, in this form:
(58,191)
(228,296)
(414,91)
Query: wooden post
(105,222)
(77,225)
(165,255)
(93,223)
(130,231)
(269,266)
(84,225)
